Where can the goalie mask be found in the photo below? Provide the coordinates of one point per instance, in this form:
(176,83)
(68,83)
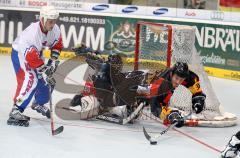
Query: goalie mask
(116,61)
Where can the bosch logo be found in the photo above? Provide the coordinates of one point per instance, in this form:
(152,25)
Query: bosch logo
(37,3)
(160,11)
(100,7)
(217,16)
(130,9)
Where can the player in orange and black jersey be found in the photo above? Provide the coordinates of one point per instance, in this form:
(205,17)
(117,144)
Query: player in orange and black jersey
(161,89)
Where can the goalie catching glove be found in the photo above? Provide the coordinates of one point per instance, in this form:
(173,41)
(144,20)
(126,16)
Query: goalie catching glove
(82,49)
(198,102)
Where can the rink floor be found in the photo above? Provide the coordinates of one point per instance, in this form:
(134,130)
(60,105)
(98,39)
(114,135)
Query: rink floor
(100,139)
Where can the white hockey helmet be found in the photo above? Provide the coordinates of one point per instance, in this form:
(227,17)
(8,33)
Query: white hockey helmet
(48,12)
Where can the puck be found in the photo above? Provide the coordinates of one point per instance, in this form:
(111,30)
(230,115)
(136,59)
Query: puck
(153,142)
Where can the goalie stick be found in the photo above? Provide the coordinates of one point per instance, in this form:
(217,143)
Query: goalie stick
(153,140)
(121,121)
(110,119)
(133,114)
(103,117)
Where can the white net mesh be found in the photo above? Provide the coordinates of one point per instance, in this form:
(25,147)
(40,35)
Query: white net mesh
(153,48)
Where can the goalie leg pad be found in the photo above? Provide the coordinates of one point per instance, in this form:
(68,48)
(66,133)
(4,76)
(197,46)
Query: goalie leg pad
(90,107)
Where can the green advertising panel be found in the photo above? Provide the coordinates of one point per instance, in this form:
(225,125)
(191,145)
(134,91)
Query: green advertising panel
(218,45)
(120,35)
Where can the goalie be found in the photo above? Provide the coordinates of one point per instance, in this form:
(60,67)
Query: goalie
(162,87)
(107,86)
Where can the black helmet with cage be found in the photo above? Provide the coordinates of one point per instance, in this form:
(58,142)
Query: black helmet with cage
(181,69)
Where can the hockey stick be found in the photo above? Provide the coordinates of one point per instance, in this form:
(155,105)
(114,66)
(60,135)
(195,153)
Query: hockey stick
(109,119)
(153,140)
(102,117)
(59,129)
(121,121)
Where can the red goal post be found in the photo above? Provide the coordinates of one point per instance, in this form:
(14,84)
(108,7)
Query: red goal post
(137,44)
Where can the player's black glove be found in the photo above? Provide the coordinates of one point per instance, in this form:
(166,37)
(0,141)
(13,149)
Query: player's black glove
(175,116)
(46,73)
(50,81)
(51,67)
(198,102)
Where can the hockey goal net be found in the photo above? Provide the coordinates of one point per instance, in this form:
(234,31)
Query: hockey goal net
(159,46)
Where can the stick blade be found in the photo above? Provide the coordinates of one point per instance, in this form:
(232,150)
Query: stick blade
(148,137)
(58,130)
